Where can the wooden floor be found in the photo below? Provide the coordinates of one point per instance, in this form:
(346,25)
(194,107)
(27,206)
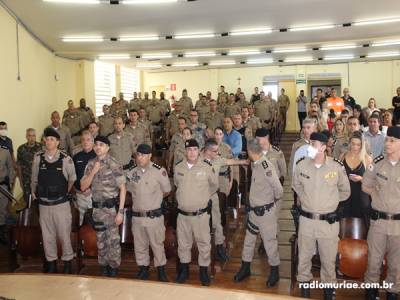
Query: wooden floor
(223,278)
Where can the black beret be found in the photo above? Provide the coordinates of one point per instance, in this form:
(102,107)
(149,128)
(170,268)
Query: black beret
(262,132)
(317,136)
(191,143)
(144,149)
(51,132)
(103,139)
(394,131)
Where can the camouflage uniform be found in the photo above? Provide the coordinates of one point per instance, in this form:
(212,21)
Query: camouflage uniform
(105,187)
(25,154)
(87,115)
(74,122)
(186,103)
(106,125)
(7,177)
(199,131)
(119,109)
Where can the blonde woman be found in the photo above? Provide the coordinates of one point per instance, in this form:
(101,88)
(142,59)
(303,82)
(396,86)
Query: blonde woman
(340,137)
(371,107)
(355,161)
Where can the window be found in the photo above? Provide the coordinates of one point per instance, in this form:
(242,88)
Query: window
(271,87)
(104,84)
(130,82)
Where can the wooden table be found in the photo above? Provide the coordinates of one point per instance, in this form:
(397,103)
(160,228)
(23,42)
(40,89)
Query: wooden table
(60,287)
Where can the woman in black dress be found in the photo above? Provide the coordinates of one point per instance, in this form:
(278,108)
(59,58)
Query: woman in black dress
(355,161)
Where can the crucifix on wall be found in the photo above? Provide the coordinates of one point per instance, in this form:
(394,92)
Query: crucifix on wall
(238,79)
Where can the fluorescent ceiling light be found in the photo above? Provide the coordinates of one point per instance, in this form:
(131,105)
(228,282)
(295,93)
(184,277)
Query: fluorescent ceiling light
(254,31)
(243,52)
(194,36)
(114,56)
(386,43)
(149,66)
(186,64)
(337,47)
(156,55)
(375,22)
(259,61)
(315,27)
(339,57)
(383,54)
(138,38)
(74,1)
(148,1)
(298,59)
(222,63)
(200,54)
(289,50)
(83,39)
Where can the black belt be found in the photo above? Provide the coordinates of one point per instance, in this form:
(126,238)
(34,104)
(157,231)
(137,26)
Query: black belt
(375,215)
(329,217)
(110,203)
(260,210)
(226,173)
(155,213)
(196,213)
(129,165)
(53,202)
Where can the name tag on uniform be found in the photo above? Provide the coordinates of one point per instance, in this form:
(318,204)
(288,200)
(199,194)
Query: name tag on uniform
(330,175)
(304,175)
(383,176)
(59,169)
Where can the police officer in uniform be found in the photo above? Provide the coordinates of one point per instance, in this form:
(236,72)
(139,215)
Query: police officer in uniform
(86,112)
(265,111)
(65,142)
(122,146)
(171,126)
(196,180)
(149,184)
(319,177)
(140,133)
(203,109)
(106,122)
(72,119)
(81,159)
(382,181)
(214,118)
(265,191)
(211,153)
(25,154)
(7,177)
(53,175)
(105,177)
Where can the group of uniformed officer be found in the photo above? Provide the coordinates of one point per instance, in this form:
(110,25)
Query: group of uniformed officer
(118,159)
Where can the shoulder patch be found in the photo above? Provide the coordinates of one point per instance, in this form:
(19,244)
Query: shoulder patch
(63,153)
(208,162)
(276,148)
(338,161)
(378,158)
(299,160)
(156,166)
(264,164)
(39,153)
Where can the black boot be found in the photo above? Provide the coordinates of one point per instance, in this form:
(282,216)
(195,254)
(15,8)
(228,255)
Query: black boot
(273,276)
(161,274)
(112,272)
(371,294)
(391,296)
(243,273)
(68,267)
(143,273)
(305,292)
(183,273)
(105,270)
(222,256)
(52,266)
(204,278)
(328,294)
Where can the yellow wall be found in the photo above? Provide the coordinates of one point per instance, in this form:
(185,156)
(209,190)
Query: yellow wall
(47,82)
(373,79)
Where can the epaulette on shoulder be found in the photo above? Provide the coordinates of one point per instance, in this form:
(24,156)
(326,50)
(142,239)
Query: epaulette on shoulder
(338,161)
(301,159)
(179,162)
(156,166)
(64,153)
(276,148)
(378,159)
(3,147)
(208,162)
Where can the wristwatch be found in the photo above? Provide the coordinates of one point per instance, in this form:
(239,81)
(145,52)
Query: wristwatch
(121,211)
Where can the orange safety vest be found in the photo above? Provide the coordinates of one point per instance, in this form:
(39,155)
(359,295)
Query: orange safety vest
(337,104)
